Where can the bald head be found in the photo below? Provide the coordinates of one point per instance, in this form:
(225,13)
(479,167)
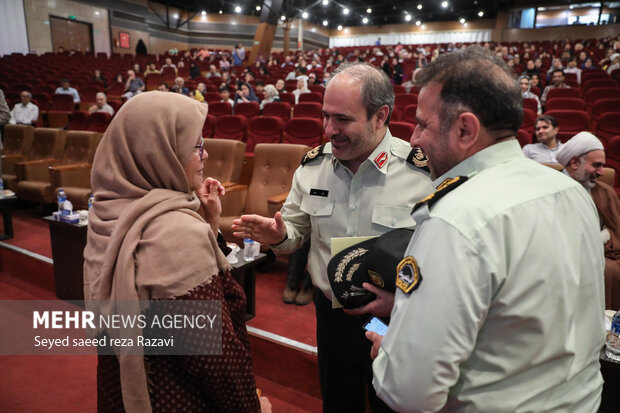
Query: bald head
(376,88)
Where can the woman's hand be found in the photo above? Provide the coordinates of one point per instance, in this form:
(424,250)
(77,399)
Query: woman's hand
(209,195)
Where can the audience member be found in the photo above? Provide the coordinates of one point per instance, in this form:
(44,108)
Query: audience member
(168,63)
(213,72)
(614,60)
(225,95)
(238,55)
(573,68)
(151,69)
(505,259)
(26,112)
(557,82)
(363,169)
(259,89)
(546,130)
(302,87)
(271,95)
(133,85)
(180,82)
(280,86)
(194,70)
(163,87)
(525,83)
(583,158)
(66,89)
(101,104)
(245,94)
(98,77)
(225,63)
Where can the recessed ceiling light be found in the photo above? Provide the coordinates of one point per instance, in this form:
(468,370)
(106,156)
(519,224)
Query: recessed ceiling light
(238,9)
(258,8)
(444,4)
(339,27)
(220,12)
(419,7)
(462,20)
(480,13)
(369,10)
(325,22)
(325,2)
(418,22)
(313,30)
(408,17)
(283,18)
(97,13)
(542,8)
(345,11)
(203,13)
(304,15)
(365,20)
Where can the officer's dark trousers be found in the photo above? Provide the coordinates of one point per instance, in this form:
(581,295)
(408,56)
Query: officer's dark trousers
(345,367)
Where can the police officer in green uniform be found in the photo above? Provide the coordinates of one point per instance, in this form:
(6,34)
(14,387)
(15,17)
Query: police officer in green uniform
(499,300)
(363,182)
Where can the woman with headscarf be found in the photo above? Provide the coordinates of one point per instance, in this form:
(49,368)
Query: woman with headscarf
(302,87)
(525,84)
(271,95)
(151,236)
(245,93)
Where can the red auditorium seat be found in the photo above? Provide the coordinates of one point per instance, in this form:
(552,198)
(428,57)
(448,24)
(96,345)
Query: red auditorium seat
(218,109)
(281,110)
(153,81)
(99,121)
(608,126)
(212,97)
(287,97)
(308,110)
(116,90)
(597,93)
(317,89)
(602,106)
(264,129)
(168,75)
(535,90)
(305,131)
(248,109)
(311,97)
(400,102)
(524,137)
(570,122)
(208,128)
(565,104)
(530,104)
(570,92)
(408,114)
(529,117)
(398,89)
(78,120)
(594,83)
(612,154)
(593,74)
(402,130)
(231,127)
(60,108)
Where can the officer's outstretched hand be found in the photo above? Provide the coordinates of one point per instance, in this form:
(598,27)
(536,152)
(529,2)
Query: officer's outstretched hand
(376,343)
(380,306)
(262,229)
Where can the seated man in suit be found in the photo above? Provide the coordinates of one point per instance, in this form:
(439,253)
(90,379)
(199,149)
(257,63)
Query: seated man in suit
(583,158)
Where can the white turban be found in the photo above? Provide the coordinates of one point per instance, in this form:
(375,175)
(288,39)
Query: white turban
(578,145)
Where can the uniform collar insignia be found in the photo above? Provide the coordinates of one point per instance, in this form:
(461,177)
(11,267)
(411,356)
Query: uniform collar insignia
(443,188)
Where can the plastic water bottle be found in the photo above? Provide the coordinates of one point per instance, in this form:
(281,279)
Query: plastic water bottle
(612,349)
(248,249)
(91,199)
(61,197)
(1,188)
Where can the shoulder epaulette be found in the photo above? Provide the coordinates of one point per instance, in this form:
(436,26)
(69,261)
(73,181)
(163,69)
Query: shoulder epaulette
(313,154)
(443,188)
(418,159)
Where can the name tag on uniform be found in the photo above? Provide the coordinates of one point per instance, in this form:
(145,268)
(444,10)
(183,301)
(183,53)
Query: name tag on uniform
(319,192)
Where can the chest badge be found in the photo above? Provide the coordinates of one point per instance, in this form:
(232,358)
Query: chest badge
(408,277)
(381,159)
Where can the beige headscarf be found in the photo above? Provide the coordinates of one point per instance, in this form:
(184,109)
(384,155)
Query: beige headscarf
(139,182)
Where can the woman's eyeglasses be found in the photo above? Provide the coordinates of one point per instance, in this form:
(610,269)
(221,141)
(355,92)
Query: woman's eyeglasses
(201,146)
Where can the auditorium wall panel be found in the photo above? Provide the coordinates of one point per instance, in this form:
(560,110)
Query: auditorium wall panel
(560,33)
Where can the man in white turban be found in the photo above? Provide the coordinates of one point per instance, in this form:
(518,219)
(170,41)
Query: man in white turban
(583,158)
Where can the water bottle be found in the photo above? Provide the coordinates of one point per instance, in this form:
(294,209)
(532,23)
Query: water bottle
(612,349)
(248,249)
(1,188)
(61,197)
(91,199)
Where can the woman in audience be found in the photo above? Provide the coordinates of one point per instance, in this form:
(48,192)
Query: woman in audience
(524,82)
(152,236)
(271,95)
(225,63)
(245,93)
(302,87)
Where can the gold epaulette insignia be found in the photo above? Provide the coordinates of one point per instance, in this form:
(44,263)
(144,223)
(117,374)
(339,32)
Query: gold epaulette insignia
(443,188)
(313,154)
(418,159)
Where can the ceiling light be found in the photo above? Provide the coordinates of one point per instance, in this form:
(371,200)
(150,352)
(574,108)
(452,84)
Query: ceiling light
(542,8)
(313,30)
(203,13)
(365,20)
(304,15)
(220,12)
(345,11)
(419,7)
(339,27)
(97,13)
(258,8)
(325,2)
(480,13)
(369,10)
(571,7)
(444,4)
(418,22)
(408,17)
(462,20)
(282,17)
(325,22)
(175,16)
(238,9)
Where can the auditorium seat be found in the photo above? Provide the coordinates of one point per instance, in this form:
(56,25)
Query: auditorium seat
(281,110)
(99,121)
(60,108)
(570,122)
(597,93)
(524,137)
(530,104)
(116,90)
(311,97)
(402,130)
(304,131)
(264,129)
(565,104)
(34,182)
(602,106)
(597,83)
(288,98)
(248,109)
(78,120)
(17,143)
(408,114)
(153,80)
(308,110)
(208,128)
(612,154)
(231,127)
(400,102)
(570,92)
(529,118)
(272,175)
(218,109)
(225,160)
(608,126)
(212,97)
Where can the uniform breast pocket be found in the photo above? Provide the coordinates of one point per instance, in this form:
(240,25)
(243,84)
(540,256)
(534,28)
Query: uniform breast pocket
(320,210)
(392,216)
